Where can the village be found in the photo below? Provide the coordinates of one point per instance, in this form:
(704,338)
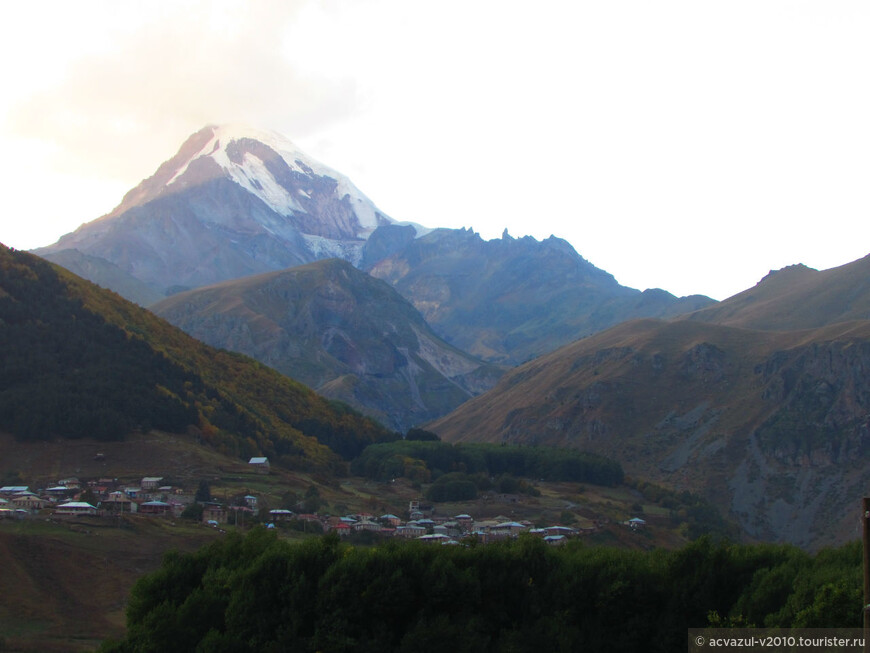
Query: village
(154,496)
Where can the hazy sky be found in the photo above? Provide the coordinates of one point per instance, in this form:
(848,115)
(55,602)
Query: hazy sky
(691,145)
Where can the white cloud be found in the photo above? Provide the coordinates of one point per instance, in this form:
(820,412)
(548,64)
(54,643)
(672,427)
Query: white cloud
(133,99)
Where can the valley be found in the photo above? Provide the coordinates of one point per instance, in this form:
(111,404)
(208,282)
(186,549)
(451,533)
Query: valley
(757,403)
(192,241)
(248,303)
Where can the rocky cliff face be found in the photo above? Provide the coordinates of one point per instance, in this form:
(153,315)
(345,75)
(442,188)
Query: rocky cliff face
(774,427)
(508,300)
(822,398)
(805,468)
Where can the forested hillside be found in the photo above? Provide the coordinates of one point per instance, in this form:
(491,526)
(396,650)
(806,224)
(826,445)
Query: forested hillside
(79,361)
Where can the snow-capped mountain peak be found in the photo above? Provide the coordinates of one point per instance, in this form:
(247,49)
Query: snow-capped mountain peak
(232,201)
(274,169)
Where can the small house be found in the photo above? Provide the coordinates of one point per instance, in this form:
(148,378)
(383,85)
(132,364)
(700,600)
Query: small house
(29,501)
(307,516)
(438,538)
(452,528)
(410,530)
(464,519)
(214,513)
(281,514)
(75,508)
(260,464)
(507,529)
(560,530)
(118,502)
(485,525)
(154,508)
(343,530)
(239,514)
(59,491)
(390,519)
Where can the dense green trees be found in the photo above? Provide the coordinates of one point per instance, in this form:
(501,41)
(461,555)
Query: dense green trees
(459,486)
(69,373)
(259,593)
(410,457)
(421,434)
(454,486)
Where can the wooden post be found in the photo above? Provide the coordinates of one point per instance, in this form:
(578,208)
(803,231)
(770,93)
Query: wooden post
(865,524)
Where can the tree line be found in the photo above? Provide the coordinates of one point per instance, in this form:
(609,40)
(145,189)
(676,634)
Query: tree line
(260,593)
(424,461)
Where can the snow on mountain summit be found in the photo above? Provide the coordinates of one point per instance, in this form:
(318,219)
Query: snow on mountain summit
(232,201)
(248,156)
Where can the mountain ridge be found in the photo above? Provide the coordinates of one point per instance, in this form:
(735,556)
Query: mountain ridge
(509,299)
(336,329)
(82,361)
(797,297)
(760,386)
(235,202)
(227,205)
(772,425)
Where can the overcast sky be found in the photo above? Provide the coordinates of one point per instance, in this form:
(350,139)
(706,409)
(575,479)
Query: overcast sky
(691,145)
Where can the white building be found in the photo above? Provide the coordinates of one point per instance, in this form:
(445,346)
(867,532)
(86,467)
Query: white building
(75,508)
